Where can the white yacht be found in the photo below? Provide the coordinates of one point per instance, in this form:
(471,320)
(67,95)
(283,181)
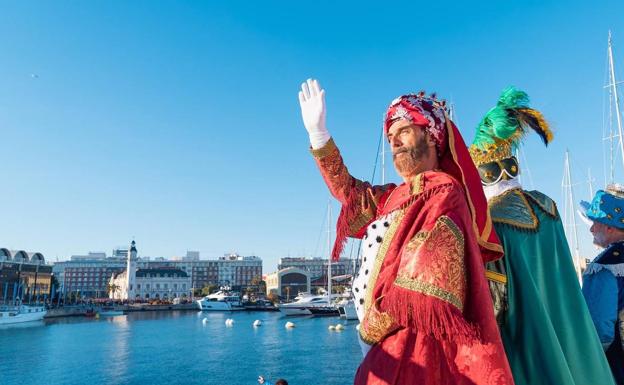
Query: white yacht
(308,304)
(21,313)
(223,300)
(347,311)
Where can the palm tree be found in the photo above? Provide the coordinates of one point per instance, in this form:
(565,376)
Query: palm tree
(112,289)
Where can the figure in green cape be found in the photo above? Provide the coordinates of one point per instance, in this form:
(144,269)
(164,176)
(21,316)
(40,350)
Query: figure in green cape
(546,328)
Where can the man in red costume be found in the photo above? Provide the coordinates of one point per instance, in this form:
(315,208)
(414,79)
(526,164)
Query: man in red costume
(422,298)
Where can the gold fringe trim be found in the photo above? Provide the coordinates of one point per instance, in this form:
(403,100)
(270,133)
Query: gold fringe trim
(426,288)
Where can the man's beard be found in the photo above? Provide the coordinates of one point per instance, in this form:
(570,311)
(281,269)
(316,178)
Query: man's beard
(408,163)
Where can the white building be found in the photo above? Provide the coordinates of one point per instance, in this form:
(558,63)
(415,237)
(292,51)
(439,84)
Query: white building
(165,283)
(90,275)
(289,282)
(149,283)
(123,285)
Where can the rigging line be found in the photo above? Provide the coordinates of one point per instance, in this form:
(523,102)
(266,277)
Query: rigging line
(604,125)
(377,157)
(528,169)
(587,175)
(359,241)
(318,241)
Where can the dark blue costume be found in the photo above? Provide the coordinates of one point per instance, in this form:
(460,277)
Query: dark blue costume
(603,281)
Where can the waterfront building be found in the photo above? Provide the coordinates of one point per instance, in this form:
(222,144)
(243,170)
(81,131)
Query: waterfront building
(317,267)
(24,275)
(148,283)
(288,282)
(231,270)
(88,275)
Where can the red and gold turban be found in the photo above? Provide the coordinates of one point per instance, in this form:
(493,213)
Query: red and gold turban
(421,110)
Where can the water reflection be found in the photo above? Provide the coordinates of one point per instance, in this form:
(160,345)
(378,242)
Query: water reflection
(119,352)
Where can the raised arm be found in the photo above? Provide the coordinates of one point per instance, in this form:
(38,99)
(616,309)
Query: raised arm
(361,198)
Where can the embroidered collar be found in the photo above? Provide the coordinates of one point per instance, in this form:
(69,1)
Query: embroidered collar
(617,269)
(613,254)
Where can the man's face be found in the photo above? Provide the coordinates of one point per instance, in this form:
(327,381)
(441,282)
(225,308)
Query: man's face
(409,144)
(604,235)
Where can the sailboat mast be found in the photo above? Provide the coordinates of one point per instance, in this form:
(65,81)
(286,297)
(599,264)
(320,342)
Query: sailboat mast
(591,183)
(570,218)
(616,98)
(383,160)
(329,261)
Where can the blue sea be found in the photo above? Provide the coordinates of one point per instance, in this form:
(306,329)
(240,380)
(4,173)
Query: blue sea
(179,348)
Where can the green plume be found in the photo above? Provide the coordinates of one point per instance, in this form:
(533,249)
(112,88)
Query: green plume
(502,122)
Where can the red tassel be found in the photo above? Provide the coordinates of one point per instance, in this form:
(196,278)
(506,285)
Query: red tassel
(429,315)
(348,213)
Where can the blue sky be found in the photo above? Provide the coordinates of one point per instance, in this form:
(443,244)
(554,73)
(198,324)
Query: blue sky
(177,123)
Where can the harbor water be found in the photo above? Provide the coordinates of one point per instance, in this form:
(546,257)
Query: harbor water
(179,348)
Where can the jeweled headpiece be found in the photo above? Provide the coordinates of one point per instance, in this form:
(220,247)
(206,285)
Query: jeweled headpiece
(502,129)
(421,109)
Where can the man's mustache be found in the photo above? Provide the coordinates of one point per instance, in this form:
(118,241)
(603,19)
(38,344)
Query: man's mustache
(399,151)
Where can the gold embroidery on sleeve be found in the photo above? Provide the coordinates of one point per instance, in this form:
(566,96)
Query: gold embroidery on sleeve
(434,264)
(376,325)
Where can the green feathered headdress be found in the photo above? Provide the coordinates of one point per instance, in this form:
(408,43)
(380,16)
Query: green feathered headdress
(502,129)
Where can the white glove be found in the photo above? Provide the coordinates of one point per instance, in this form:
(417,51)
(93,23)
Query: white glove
(312,101)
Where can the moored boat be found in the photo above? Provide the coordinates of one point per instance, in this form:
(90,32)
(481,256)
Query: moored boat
(223,300)
(308,304)
(21,313)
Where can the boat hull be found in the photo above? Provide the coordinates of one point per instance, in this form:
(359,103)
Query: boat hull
(24,314)
(324,311)
(294,310)
(217,306)
(347,311)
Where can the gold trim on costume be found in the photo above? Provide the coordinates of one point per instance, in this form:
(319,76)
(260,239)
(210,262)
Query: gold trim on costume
(544,202)
(482,238)
(376,325)
(434,263)
(499,150)
(513,208)
(426,288)
(496,277)
(381,256)
(327,149)
(417,184)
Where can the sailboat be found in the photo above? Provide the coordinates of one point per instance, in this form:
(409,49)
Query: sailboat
(612,138)
(316,305)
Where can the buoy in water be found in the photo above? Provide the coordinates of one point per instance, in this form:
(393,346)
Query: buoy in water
(340,327)
(257,323)
(229,322)
(205,321)
(331,327)
(289,325)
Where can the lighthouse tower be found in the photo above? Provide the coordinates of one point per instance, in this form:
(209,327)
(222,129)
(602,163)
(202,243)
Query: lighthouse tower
(131,271)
